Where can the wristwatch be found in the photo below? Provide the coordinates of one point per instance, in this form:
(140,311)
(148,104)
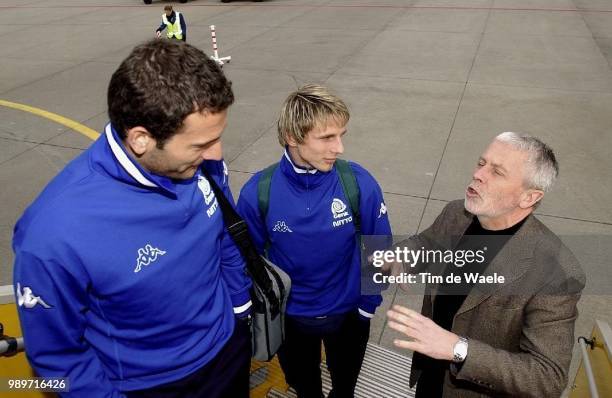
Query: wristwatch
(460,350)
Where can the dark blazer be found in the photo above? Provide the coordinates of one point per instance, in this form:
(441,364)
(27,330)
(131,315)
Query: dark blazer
(521,333)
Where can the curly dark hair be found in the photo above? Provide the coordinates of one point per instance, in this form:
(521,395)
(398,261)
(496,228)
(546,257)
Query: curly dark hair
(161,83)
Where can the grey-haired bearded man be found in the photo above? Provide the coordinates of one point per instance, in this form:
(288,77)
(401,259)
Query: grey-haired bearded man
(514,338)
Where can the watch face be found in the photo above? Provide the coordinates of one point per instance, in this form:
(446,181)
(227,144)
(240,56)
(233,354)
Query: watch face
(460,351)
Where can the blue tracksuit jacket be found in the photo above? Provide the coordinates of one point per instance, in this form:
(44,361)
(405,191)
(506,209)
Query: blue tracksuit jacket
(312,237)
(125,280)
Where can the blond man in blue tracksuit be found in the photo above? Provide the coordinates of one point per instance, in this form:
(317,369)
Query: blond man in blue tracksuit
(309,230)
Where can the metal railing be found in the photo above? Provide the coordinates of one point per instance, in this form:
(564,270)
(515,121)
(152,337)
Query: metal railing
(9,346)
(583,341)
(593,377)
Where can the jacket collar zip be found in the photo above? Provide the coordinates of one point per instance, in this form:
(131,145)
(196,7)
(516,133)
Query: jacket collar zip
(305,178)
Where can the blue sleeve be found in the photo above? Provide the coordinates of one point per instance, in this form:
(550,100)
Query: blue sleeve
(51,302)
(248,207)
(161,27)
(375,229)
(183,25)
(232,263)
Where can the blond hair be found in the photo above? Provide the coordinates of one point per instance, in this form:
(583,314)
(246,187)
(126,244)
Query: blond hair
(311,106)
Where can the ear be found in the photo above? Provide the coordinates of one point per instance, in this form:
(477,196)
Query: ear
(291,141)
(139,140)
(530,197)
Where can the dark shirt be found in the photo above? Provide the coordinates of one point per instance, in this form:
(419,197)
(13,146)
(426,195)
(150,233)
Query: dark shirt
(451,297)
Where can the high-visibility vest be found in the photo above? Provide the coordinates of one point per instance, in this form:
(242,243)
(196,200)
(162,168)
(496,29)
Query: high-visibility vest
(173,29)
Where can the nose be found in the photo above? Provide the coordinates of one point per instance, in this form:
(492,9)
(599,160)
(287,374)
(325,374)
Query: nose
(338,146)
(215,152)
(479,174)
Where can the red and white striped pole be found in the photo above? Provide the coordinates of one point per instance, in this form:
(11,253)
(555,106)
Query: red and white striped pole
(213,34)
(215,56)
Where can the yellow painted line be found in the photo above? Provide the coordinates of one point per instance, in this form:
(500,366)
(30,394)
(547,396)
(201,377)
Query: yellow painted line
(74,125)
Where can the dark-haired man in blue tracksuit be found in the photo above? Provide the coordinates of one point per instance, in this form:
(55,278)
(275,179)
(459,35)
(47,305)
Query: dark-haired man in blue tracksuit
(309,230)
(127,281)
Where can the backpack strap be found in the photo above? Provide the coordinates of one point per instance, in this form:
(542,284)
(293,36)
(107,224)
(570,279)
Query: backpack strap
(351,190)
(238,230)
(263,196)
(263,189)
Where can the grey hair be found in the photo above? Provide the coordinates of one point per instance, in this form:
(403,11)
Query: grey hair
(543,165)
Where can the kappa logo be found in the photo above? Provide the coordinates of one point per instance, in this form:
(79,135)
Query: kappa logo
(341,216)
(280,226)
(147,255)
(209,195)
(27,298)
(383,210)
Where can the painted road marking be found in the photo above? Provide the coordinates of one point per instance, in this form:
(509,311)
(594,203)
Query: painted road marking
(72,124)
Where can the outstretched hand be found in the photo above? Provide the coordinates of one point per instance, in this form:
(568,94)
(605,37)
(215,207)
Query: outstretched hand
(426,336)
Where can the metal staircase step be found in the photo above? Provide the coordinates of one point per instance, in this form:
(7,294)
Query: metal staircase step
(278,394)
(384,374)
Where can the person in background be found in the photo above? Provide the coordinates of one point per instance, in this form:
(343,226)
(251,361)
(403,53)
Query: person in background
(174,23)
